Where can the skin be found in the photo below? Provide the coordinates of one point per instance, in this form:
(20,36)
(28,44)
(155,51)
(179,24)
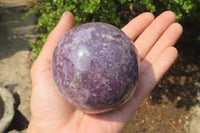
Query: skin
(154,43)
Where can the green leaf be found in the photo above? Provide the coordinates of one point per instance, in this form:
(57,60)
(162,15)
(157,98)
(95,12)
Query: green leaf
(116,12)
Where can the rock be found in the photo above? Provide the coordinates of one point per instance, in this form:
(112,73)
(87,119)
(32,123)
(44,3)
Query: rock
(8,101)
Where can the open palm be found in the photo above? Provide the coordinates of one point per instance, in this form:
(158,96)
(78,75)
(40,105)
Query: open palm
(154,43)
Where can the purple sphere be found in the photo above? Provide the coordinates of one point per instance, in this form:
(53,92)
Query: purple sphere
(95,67)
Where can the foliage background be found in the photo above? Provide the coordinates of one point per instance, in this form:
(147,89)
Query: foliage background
(116,12)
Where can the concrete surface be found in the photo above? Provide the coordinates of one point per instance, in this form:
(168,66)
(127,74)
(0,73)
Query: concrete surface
(194,125)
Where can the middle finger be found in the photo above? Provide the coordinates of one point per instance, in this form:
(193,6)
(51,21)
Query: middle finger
(153,32)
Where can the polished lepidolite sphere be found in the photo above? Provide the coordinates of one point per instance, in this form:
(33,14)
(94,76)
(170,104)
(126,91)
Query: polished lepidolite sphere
(95,67)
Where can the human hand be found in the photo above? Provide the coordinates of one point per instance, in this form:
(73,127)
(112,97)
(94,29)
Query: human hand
(154,43)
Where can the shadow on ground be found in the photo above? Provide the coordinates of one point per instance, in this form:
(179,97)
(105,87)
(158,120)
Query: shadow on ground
(181,84)
(19,122)
(14,35)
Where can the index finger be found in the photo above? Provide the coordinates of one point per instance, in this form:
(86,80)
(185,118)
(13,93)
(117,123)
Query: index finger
(66,23)
(137,25)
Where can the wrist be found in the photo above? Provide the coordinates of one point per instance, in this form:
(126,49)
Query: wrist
(34,127)
(39,127)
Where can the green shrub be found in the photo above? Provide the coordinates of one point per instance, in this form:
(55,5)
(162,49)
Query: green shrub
(115,12)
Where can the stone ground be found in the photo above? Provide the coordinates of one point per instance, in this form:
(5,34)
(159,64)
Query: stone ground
(16,57)
(16,61)
(194,126)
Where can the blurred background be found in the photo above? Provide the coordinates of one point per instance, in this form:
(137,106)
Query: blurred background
(173,106)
